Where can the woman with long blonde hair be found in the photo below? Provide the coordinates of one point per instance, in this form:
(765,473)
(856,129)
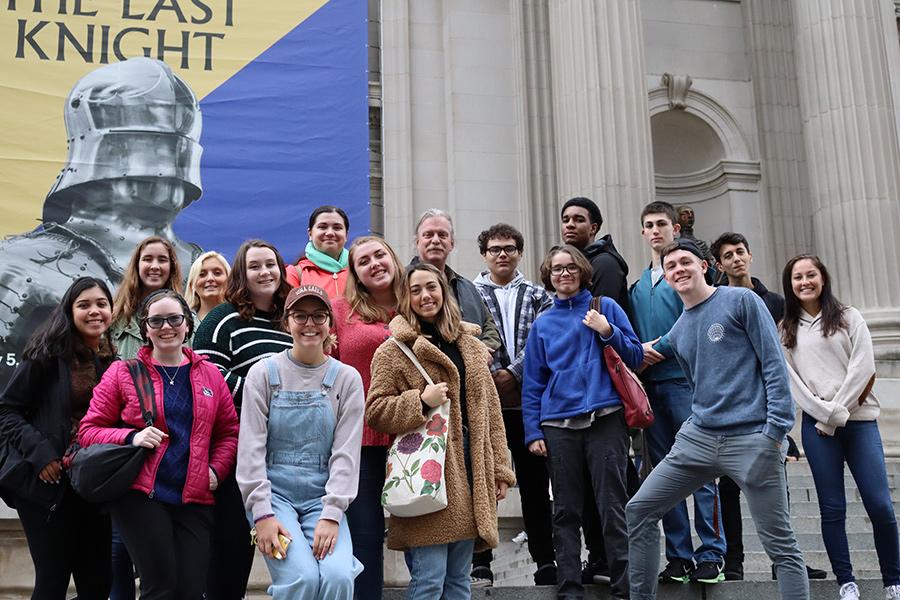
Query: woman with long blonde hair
(361,320)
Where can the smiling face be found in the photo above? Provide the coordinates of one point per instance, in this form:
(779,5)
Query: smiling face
(167,338)
(304,329)
(684,271)
(210,284)
(91,315)
(434,241)
(329,234)
(735,260)
(806,282)
(263,275)
(374,266)
(425,295)
(577,228)
(154,266)
(502,265)
(658,230)
(566,282)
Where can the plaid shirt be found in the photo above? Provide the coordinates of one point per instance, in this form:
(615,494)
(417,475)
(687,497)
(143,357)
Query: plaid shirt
(531,300)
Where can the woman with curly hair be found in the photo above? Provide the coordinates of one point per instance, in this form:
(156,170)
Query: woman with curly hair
(477,468)
(832,369)
(234,336)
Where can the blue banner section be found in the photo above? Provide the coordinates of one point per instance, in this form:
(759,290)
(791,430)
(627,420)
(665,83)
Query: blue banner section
(285,134)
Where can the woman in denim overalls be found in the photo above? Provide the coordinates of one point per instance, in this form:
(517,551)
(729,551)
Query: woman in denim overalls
(301,432)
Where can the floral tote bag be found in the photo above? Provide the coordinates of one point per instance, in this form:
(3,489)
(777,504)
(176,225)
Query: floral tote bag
(414,477)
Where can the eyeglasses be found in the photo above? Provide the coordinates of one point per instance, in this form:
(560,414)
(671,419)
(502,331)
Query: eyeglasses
(158,322)
(571,269)
(301,318)
(496,250)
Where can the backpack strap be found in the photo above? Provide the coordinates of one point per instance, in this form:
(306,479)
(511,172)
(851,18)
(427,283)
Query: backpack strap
(143,385)
(412,357)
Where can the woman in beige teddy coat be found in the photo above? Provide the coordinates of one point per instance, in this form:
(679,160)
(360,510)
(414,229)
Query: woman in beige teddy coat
(477,468)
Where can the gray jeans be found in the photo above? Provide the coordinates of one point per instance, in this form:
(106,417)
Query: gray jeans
(756,464)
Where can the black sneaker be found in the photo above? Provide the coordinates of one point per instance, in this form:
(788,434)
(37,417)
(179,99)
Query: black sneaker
(708,572)
(734,571)
(677,571)
(594,572)
(811,573)
(482,577)
(545,575)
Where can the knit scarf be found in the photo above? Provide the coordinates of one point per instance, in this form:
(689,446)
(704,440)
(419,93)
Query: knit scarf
(325,262)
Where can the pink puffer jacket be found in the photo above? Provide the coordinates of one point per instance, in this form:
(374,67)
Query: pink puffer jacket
(214,432)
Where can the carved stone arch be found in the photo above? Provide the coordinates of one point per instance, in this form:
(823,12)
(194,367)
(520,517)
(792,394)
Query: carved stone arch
(706,108)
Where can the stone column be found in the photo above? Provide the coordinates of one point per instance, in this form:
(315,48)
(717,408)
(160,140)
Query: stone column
(601,114)
(782,154)
(853,156)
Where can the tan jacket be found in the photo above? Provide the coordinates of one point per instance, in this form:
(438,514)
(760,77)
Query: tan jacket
(394,406)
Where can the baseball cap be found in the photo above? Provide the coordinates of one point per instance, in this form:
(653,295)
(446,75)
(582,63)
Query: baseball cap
(307,291)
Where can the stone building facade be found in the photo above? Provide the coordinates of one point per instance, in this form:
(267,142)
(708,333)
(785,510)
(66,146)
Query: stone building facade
(775,118)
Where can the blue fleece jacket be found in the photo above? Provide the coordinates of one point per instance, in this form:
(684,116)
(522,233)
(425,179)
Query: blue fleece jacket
(654,309)
(747,390)
(564,374)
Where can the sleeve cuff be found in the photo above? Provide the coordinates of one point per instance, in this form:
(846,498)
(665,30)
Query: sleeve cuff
(776,433)
(332,513)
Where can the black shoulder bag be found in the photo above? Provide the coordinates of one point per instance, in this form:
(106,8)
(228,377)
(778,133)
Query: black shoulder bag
(104,472)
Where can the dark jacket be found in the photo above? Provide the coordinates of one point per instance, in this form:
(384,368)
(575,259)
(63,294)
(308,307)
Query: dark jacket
(774,302)
(610,271)
(35,428)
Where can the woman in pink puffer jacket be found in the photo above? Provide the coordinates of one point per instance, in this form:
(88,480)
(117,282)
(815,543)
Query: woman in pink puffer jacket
(166,518)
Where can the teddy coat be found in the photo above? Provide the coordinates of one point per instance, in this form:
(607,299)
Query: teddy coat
(394,406)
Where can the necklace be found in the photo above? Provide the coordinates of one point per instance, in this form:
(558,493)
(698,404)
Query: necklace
(172,378)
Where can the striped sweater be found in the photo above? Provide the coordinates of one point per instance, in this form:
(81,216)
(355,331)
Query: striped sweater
(234,345)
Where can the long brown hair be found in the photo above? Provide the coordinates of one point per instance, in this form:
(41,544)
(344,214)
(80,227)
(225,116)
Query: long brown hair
(236,290)
(131,291)
(832,310)
(361,301)
(448,318)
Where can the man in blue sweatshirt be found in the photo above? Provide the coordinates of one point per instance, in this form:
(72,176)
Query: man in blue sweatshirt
(655,308)
(741,412)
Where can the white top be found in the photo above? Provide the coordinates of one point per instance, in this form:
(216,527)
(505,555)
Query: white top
(829,374)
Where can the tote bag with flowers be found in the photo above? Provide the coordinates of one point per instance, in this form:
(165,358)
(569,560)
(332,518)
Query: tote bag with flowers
(414,476)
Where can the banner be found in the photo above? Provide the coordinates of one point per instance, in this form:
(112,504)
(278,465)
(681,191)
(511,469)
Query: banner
(205,121)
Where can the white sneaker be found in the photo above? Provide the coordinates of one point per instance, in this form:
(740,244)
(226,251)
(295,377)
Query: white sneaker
(849,591)
(520,538)
(892,592)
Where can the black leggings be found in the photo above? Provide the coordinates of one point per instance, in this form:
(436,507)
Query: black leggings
(168,543)
(72,540)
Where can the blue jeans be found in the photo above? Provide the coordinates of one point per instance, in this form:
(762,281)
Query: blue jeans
(671,402)
(440,572)
(756,463)
(858,444)
(366,519)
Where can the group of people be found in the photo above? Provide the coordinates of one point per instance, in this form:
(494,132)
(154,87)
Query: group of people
(276,390)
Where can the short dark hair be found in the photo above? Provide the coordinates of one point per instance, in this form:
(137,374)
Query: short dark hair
(659,207)
(328,209)
(583,264)
(500,230)
(155,297)
(588,205)
(729,237)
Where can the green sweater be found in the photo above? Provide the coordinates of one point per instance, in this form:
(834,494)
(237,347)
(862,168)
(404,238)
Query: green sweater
(235,345)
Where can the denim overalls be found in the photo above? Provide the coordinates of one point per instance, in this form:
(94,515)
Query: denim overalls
(301,432)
